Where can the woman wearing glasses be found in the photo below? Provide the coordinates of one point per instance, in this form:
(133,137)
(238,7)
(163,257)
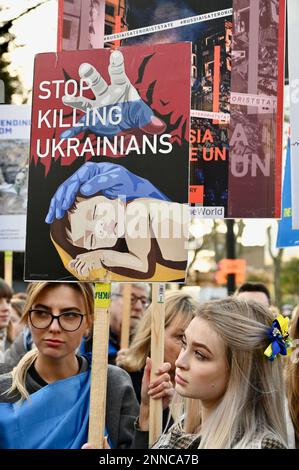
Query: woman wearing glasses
(51,383)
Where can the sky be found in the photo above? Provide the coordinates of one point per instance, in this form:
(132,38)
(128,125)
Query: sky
(35,32)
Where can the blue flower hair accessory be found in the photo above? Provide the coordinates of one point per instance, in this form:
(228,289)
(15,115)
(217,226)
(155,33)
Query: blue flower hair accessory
(279,337)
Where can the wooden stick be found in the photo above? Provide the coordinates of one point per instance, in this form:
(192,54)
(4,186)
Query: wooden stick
(157,356)
(98,389)
(8,258)
(126,317)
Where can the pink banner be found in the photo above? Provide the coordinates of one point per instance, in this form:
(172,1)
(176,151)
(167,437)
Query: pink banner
(256,108)
(80,24)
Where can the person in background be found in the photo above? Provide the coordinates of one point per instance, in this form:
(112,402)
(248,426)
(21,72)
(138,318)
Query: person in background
(20,295)
(140,300)
(58,315)
(17,306)
(254,291)
(22,339)
(6,326)
(180,309)
(229,383)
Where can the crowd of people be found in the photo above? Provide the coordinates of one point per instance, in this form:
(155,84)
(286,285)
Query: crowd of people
(229,379)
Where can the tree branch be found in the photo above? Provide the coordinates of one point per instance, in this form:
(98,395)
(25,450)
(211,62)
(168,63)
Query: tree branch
(6,25)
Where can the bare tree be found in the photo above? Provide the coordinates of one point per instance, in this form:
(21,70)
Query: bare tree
(11,84)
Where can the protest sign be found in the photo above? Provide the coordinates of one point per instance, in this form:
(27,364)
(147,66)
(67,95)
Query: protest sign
(208,25)
(109,165)
(256,124)
(14,145)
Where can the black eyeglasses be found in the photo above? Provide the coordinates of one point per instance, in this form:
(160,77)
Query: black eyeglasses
(144,301)
(134,299)
(68,321)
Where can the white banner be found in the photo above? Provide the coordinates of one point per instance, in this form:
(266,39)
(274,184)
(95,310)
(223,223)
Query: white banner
(263,102)
(225,117)
(14,155)
(12,232)
(169,25)
(15,121)
(213,212)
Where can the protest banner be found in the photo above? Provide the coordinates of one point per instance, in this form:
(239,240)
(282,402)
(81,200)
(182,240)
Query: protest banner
(80,24)
(208,25)
(216,179)
(286,236)
(112,172)
(293,24)
(256,124)
(14,145)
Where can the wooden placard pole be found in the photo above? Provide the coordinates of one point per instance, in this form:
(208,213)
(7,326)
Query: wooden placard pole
(126,316)
(8,259)
(157,356)
(98,388)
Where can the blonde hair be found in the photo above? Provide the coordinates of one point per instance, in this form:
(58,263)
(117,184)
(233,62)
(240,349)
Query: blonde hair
(34,290)
(253,402)
(292,376)
(176,304)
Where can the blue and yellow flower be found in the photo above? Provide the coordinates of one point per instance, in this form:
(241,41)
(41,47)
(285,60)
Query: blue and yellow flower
(279,337)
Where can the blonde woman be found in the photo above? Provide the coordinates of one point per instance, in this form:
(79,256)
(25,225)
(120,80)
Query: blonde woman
(51,383)
(228,393)
(180,309)
(292,375)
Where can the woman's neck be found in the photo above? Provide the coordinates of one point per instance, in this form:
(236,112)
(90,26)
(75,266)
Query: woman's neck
(207,409)
(51,370)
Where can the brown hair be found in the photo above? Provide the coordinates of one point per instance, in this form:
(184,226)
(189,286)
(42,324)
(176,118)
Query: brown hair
(7,293)
(177,304)
(5,290)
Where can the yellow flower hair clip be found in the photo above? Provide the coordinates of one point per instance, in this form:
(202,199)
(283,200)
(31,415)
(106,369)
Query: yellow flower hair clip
(279,336)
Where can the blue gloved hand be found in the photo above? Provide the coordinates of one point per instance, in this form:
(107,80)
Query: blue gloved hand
(119,104)
(110,179)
